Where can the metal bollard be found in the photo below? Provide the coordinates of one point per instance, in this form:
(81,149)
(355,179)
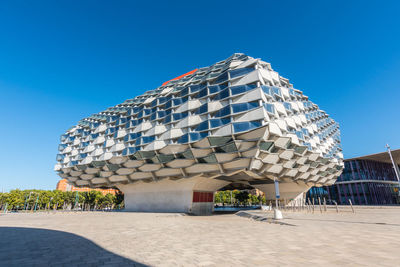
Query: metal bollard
(337,209)
(319,203)
(351,205)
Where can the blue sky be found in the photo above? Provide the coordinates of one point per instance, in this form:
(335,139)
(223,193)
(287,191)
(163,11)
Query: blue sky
(61,61)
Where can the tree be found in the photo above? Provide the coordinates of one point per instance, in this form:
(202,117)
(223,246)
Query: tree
(15,199)
(107,200)
(242,197)
(119,199)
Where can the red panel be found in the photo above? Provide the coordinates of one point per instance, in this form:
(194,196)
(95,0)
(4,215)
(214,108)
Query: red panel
(196,196)
(183,75)
(210,197)
(203,197)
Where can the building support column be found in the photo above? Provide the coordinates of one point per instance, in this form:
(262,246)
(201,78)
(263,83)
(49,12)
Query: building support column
(186,195)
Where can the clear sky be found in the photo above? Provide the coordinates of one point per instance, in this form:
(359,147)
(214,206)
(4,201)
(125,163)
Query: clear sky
(61,61)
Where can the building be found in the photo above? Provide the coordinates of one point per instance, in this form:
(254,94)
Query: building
(63,185)
(366,180)
(171,148)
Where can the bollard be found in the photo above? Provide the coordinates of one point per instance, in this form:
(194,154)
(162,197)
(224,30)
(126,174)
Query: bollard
(319,204)
(351,205)
(313,205)
(325,205)
(337,209)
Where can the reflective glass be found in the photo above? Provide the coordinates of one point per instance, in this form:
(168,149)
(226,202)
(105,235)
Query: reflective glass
(300,135)
(223,94)
(202,126)
(235,90)
(202,109)
(266,146)
(203,93)
(269,108)
(148,139)
(288,106)
(240,72)
(208,159)
(245,126)
(223,111)
(277,91)
(183,139)
(222,78)
(228,148)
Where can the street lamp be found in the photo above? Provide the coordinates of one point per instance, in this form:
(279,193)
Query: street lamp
(395,167)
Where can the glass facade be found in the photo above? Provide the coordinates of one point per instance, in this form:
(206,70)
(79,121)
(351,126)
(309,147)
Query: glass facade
(364,182)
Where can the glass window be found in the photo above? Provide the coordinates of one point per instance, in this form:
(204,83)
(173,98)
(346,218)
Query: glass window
(185,91)
(228,148)
(223,94)
(167,119)
(222,78)
(245,126)
(202,126)
(208,159)
(185,155)
(276,91)
(168,104)
(162,158)
(218,141)
(214,88)
(300,135)
(240,72)
(239,107)
(215,123)
(61,147)
(148,139)
(236,108)
(235,90)
(288,106)
(183,139)
(145,154)
(202,109)
(266,146)
(269,108)
(225,111)
(129,151)
(202,93)
(177,101)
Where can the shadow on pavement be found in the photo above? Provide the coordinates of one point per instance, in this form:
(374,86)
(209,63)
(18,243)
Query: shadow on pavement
(41,247)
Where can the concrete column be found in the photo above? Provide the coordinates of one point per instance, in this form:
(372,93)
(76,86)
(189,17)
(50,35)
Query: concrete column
(171,195)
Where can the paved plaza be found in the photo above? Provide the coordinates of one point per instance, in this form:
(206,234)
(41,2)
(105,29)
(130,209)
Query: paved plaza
(370,237)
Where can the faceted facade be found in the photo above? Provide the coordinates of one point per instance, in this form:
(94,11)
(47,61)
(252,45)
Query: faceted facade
(235,121)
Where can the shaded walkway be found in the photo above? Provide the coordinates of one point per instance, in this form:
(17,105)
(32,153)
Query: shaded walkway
(41,247)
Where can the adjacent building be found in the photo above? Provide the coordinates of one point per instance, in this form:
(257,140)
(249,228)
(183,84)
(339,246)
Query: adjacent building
(366,180)
(236,121)
(64,186)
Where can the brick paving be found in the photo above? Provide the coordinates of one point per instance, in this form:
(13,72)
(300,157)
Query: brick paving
(368,238)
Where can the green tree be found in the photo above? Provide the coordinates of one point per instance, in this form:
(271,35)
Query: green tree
(242,197)
(107,200)
(119,199)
